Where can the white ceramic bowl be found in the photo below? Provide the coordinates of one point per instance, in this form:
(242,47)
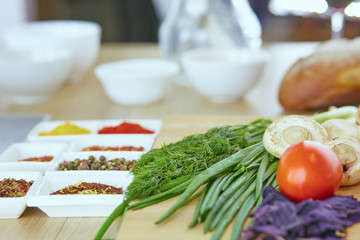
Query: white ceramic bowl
(137,81)
(10,158)
(81,38)
(13,207)
(78,205)
(224,75)
(32,76)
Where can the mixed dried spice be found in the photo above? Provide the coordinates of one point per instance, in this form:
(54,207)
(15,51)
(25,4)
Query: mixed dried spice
(94,164)
(107,148)
(125,127)
(88,188)
(10,187)
(279,218)
(38,159)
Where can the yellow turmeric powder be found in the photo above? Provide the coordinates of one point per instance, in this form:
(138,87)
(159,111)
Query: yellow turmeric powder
(66,129)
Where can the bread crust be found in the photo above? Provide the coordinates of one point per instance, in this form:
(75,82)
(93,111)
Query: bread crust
(329,76)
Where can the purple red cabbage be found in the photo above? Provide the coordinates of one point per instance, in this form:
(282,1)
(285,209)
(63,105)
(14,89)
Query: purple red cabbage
(278,218)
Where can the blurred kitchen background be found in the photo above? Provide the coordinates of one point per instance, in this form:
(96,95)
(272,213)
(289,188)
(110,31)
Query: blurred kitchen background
(138,20)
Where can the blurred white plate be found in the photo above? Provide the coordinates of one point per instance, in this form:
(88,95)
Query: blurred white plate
(81,205)
(13,207)
(91,125)
(10,158)
(67,156)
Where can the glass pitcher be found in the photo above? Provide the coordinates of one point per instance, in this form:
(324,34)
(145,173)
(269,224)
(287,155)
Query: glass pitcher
(208,23)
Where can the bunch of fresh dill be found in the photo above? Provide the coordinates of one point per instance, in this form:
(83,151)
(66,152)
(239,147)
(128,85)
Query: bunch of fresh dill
(190,156)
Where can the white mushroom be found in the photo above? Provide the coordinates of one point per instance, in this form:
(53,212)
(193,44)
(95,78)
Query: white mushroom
(289,130)
(348,151)
(340,127)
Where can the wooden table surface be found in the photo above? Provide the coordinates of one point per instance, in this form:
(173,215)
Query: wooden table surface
(184,112)
(139,225)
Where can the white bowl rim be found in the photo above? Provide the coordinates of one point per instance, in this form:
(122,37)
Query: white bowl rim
(27,55)
(87,28)
(167,67)
(261,55)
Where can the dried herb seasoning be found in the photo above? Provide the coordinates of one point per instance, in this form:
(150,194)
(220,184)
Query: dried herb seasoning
(38,159)
(122,148)
(10,187)
(88,188)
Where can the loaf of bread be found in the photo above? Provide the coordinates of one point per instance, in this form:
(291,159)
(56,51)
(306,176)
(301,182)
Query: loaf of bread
(329,76)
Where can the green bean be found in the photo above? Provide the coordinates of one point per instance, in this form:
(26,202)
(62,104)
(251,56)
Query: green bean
(241,216)
(224,197)
(229,181)
(229,203)
(260,175)
(254,154)
(162,196)
(213,193)
(268,182)
(213,185)
(175,182)
(210,172)
(198,205)
(153,200)
(230,213)
(240,171)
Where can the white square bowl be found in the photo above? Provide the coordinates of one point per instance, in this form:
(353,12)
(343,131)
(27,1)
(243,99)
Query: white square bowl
(13,207)
(93,126)
(47,126)
(9,159)
(82,205)
(68,156)
(112,140)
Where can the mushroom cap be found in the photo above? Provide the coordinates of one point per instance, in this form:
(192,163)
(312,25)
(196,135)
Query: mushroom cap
(290,130)
(348,151)
(340,128)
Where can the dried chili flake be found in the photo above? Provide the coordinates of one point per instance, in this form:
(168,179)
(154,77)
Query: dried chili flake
(10,187)
(37,159)
(125,127)
(88,188)
(122,148)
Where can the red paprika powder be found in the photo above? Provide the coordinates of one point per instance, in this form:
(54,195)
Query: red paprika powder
(125,127)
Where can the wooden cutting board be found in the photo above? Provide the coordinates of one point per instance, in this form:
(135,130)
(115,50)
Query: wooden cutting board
(139,225)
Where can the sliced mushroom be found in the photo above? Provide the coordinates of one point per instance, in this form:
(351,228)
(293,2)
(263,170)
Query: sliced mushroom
(340,127)
(348,151)
(289,130)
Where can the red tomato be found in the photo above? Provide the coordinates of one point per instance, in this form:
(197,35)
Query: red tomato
(309,170)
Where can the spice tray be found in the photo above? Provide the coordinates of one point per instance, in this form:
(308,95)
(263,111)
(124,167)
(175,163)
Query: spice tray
(79,205)
(10,158)
(119,140)
(13,207)
(92,125)
(53,169)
